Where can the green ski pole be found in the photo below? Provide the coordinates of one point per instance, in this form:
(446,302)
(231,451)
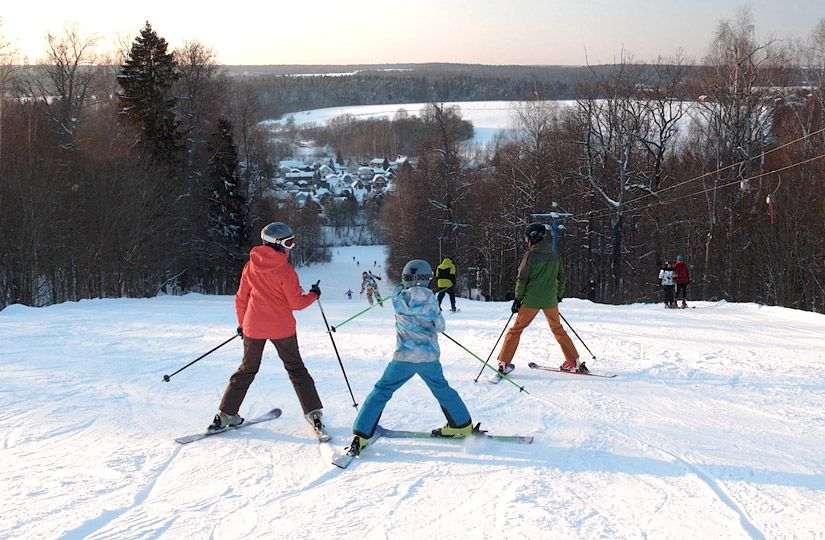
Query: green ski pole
(474,355)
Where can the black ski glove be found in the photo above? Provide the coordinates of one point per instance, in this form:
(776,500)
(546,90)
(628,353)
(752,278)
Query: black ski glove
(240,331)
(516,305)
(316,289)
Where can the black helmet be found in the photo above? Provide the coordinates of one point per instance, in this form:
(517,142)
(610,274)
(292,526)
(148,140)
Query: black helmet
(278,234)
(535,232)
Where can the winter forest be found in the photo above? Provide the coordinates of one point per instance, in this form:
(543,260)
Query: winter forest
(144,170)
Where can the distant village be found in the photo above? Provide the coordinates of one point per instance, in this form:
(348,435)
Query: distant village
(322,182)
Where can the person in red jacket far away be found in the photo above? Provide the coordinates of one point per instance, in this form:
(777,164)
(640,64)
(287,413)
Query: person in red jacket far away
(268,294)
(682,279)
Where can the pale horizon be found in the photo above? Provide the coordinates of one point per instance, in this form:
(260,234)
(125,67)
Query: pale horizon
(488,32)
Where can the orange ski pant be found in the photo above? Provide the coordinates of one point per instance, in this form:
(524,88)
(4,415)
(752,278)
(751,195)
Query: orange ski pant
(523,319)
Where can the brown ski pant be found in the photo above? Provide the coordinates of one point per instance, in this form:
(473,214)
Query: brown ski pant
(253,350)
(523,319)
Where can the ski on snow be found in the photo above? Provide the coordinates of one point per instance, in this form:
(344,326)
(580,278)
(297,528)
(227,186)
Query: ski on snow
(344,459)
(534,365)
(397,434)
(271,415)
(496,377)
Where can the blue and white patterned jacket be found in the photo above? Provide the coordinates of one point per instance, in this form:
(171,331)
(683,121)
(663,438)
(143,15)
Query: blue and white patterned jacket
(417,322)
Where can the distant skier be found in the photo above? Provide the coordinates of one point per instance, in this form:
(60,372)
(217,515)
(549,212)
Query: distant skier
(445,274)
(590,288)
(369,285)
(268,294)
(349,294)
(417,322)
(539,286)
(682,279)
(667,278)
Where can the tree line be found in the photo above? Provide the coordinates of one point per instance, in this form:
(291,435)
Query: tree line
(646,176)
(144,170)
(130,173)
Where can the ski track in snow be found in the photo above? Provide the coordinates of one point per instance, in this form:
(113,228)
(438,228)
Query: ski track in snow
(705,433)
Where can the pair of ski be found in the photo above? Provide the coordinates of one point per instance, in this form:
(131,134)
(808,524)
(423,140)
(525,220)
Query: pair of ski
(323,436)
(496,377)
(343,460)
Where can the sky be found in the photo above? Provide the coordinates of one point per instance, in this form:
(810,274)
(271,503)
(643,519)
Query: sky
(525,32)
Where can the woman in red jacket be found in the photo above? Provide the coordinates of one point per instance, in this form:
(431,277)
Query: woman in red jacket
(682,279)
(268,294)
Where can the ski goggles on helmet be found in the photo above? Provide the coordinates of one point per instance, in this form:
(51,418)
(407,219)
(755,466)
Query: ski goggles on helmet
(288,242)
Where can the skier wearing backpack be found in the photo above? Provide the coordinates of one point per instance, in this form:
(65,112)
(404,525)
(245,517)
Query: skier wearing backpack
(268,294)
(539,287)
(417,322)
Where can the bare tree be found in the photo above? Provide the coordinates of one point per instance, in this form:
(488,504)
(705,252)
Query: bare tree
(199,90)
(7,68)
(61,82)
(736,126)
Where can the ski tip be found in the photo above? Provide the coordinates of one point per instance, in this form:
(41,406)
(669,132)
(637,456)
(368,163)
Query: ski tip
(532,365)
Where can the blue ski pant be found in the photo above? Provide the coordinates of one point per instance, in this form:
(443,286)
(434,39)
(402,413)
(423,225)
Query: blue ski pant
(395,375)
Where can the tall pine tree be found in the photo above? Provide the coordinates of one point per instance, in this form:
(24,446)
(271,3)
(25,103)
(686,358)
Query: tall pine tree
(146,102)
(228,225)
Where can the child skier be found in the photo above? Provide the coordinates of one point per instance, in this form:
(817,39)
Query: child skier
(417,322)
(369,284)
(349,294)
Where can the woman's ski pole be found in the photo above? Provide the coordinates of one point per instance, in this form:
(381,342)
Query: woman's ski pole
(577,335)
(167,377)
(340,363)
(503,376)
(494,347)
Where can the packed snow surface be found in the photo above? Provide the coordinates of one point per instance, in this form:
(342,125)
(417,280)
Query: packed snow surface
(713,428)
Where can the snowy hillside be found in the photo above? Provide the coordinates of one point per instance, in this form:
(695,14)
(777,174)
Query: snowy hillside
(713,428)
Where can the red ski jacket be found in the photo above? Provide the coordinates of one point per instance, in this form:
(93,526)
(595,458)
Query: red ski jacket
(682,272)
(268,294)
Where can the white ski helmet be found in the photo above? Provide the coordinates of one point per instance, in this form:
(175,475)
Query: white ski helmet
(416,273)
(278,234)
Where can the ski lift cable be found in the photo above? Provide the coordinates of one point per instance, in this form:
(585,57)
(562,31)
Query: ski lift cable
(728,184)
(604,212)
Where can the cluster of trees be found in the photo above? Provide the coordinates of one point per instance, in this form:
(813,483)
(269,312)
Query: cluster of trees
(128,174)
(646,176)
(365,139)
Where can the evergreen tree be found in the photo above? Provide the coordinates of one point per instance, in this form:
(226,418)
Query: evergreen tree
(146,78)
(228,225)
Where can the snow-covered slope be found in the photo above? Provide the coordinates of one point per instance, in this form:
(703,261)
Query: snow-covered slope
(713,428)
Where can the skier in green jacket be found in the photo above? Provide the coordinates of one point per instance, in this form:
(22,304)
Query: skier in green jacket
(539,286)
